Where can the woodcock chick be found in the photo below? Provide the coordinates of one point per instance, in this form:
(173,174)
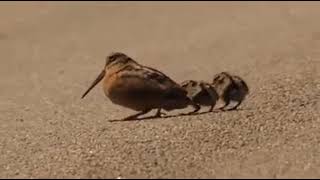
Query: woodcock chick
(201,93)
(230,88)
(132,85)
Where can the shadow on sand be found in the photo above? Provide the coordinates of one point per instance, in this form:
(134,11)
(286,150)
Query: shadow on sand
(171,116)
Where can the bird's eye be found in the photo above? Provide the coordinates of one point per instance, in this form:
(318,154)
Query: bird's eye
(216,79)
(109,60)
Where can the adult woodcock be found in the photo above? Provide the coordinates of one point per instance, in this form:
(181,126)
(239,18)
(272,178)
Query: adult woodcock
(135,86)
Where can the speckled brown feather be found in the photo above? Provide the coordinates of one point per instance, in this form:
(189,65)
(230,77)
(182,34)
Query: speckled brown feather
(200,92)
(141,88)
(230,88)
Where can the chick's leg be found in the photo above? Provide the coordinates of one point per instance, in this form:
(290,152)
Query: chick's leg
(159,113)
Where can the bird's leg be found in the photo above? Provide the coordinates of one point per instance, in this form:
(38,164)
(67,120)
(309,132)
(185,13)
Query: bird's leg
(159,113)
(236,106)
(211,108)
(211,93)
(134,116)
(226,102)
(196,108)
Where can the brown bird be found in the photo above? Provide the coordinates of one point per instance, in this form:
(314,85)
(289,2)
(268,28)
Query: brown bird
(230,88)
(132,85)
(201,93)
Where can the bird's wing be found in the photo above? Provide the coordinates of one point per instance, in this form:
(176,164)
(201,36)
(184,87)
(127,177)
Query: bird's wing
(146,78)
(240,82)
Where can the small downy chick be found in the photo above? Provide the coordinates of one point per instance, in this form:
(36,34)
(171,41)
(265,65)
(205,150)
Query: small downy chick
(230,88)
(201,93)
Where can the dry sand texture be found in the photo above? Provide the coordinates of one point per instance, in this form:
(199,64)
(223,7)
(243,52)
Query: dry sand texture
(51,52)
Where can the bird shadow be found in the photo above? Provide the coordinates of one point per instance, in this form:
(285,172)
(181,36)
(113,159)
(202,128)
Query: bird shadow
(172,116)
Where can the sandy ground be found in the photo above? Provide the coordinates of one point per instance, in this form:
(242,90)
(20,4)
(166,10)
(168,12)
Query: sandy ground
(51,52)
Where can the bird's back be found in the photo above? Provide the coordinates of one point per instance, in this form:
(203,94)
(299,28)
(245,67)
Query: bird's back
(241,84)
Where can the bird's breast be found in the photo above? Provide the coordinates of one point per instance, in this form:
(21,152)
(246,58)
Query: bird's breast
(111,84)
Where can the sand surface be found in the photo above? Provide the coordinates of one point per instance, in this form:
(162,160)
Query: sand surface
(51,52)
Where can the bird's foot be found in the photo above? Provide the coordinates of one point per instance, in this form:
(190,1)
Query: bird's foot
(159,114)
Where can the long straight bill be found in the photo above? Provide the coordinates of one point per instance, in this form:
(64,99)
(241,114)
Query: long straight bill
(95,82)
